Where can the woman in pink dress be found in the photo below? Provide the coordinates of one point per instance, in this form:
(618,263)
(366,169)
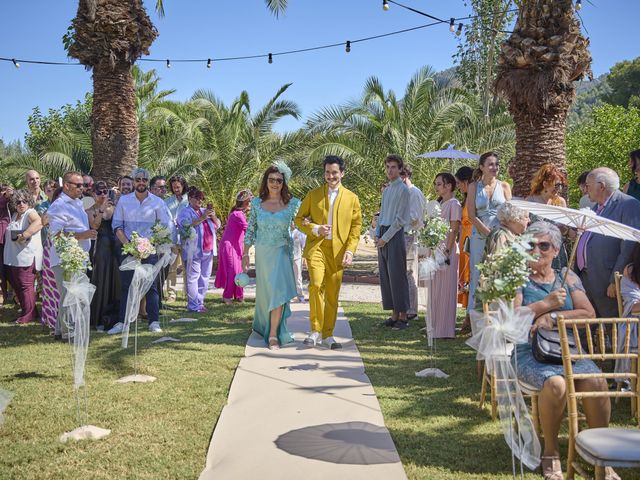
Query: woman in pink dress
(231,246)
(444,286)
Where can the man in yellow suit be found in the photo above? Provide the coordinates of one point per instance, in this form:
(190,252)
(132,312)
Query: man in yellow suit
(330,216)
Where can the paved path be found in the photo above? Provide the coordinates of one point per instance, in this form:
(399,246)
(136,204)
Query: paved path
(302,413)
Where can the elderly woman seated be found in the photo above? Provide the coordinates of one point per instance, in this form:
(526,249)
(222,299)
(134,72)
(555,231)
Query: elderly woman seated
(544,295)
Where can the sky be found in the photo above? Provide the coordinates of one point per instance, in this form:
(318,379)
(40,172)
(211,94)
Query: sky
(214,29)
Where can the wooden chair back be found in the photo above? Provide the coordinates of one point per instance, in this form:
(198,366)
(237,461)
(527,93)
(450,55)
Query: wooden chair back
(596,348)
(617,280)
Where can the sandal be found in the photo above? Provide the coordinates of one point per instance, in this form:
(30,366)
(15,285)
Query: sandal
(273,343)
(551,468)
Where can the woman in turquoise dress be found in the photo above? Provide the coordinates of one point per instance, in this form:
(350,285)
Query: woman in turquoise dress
(483,198)
(544,295)
(268,229)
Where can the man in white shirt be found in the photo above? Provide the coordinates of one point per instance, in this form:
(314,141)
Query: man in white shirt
(138,212)
(416,222)
(67,215)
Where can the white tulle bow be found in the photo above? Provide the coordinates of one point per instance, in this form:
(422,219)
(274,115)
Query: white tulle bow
(76,315)
(495,333)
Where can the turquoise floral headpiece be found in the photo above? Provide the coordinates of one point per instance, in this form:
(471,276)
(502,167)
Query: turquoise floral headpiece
(283,169)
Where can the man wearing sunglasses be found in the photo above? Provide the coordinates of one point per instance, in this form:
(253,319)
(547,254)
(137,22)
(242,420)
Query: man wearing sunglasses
(67,215)
(138,212)
(598,257)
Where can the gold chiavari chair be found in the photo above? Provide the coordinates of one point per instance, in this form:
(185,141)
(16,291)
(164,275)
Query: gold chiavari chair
(600,447)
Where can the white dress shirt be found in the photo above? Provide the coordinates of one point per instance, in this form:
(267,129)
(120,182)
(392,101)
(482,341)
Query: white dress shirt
(67,215)
(394,211)
(416,209)
(132,215)
(333,194)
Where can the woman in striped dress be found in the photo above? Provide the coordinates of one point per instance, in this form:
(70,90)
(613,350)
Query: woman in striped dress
(50,294)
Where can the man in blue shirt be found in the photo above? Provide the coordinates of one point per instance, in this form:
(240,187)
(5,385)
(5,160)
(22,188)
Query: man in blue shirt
(138,212)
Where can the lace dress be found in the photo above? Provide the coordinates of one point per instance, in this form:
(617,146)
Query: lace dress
(275,282)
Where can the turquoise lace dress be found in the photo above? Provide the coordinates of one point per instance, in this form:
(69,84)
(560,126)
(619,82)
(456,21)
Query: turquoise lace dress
(275,282)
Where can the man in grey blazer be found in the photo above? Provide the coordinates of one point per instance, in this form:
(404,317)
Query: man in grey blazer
(598,256)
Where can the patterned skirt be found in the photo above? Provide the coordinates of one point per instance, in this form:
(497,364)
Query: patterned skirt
(50,294)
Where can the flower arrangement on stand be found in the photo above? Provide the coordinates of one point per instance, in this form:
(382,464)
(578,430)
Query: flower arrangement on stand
(160,234)
(76,306)
(496,330)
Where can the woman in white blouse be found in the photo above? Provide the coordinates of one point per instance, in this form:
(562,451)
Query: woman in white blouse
(23,253)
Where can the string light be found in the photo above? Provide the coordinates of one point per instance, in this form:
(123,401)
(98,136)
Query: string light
(452,25)
(209,61)
(385,5)
(578,5)
(348,47)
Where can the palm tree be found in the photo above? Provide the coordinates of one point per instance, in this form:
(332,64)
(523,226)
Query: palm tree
(230,147)
(537,66)
(108,37)
(430,115)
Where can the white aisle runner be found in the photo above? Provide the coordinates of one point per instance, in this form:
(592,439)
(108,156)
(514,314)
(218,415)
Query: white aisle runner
(302,413)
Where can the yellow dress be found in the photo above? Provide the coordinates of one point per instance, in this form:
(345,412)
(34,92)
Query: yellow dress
(463,265)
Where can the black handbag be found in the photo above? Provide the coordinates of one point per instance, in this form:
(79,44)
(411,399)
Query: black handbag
(545,345)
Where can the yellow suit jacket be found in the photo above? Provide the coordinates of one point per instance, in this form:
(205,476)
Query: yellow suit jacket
(346,221)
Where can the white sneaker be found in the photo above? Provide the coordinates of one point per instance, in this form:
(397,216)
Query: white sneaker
(154,327)
(331,343)
(314,339)
(117,328)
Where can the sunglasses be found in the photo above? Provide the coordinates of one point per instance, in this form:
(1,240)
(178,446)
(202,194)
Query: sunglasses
(87,185)
(542,246)
(22,202)
(77,185)
(161,187)
(101,192)
(141,180)
(279,181)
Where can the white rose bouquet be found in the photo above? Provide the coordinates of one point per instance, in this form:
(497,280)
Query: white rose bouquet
(73,259)
(505,271)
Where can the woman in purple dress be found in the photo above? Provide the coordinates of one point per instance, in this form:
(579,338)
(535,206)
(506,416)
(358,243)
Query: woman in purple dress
(5,217)
(199,250)
(231,246)
(444,286)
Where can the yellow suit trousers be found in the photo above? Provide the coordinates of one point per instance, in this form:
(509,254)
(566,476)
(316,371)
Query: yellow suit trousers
(325,278)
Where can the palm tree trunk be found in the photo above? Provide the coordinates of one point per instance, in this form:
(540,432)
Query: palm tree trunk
(539,140)
(114,122)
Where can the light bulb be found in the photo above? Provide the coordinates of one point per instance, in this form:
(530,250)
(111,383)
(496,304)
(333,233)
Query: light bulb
(578,5)
(452,25)
(270,58)
(348,48)
(459,31)
(15,63)
(208,63)
(168,63)
(385,5)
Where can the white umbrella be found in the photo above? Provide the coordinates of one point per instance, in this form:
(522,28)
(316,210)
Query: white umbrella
(583,220)
(450,152)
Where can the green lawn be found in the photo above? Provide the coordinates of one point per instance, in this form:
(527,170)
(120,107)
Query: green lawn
(438,429)
(162,430)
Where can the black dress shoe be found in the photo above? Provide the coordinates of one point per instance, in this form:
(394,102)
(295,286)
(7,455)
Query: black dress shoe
(336,346)
(388,322)
(400,325)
